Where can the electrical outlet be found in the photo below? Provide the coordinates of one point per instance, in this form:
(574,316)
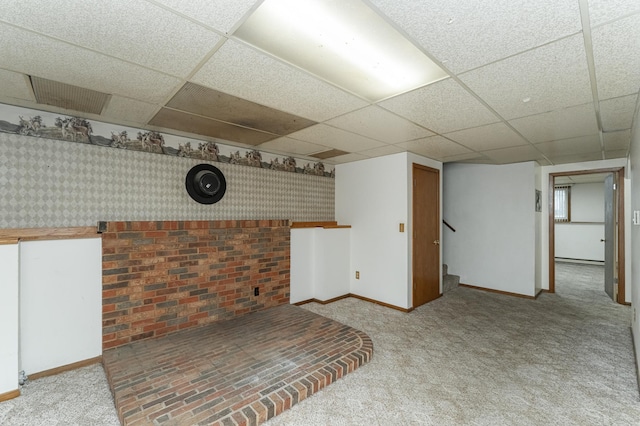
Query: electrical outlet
(256,291)
(357,275)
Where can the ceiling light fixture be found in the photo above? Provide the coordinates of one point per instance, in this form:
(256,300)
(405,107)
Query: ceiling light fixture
(341,41)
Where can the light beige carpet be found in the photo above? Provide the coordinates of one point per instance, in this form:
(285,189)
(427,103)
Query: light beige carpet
(468,358)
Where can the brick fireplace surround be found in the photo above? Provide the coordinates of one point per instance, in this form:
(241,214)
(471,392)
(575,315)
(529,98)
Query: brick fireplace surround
(160,277)
(186,340)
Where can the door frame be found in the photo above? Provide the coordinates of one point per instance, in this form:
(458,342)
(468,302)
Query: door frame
(618,174)
(438,228)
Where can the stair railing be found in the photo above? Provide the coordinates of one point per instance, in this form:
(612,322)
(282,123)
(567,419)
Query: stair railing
(448,226)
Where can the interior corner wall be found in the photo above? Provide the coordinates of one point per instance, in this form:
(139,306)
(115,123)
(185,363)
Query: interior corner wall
(371,196)
(561,168)
(492,209)
(52,183)
(374,197)
(634,237)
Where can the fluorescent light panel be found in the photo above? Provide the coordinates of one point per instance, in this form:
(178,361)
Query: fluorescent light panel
(342,41)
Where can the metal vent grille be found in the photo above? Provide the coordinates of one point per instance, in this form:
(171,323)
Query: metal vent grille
(66,96)
(210,103)
(329,154)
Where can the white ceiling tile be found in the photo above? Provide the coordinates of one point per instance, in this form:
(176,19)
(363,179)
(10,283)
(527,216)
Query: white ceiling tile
(576,158)
(347,158)
(617,140)
(223,15)
(131,110)
(241,71)
(616,52)
(468,157)
(377,123)
(135,31)
(601,11)
(436,147)
(322,134)
(617,113)
(492,136)
(589,178)
(293,146)
(15,85)
(580,145)
(552,76)
(382,151)
(442,107)
(561,124)
(471,33)
(80,67)
(516,154)
(622,153)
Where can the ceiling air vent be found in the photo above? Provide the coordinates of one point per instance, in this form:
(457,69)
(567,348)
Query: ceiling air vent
(329,154)
(66,96)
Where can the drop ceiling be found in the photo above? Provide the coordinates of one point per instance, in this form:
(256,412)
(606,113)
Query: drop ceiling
(552,81)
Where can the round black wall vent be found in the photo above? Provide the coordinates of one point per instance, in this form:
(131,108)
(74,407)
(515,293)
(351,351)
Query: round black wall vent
(206,184)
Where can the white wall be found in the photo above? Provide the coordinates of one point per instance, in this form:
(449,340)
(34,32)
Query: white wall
(60,303)
(303,265)
(332,254)
(579,241)
(587,202)
(9,365)
(373,196)
(634,277)
(492,209)
(320,265)
(573,167)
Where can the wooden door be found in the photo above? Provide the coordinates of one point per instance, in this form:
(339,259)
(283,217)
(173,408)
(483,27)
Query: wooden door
(426,234)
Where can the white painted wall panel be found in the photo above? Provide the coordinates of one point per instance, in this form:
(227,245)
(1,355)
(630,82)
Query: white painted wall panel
(332,270)
(580,241)
(9,318)
(371,196)
(302,265)
(587,202)
(493,211)
(60,303)
(320,263)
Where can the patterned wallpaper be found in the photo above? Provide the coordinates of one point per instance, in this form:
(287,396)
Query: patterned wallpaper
(49,183)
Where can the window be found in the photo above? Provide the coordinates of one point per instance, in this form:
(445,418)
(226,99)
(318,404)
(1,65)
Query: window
(562,203)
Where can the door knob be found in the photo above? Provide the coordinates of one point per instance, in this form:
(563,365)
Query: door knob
(436,242)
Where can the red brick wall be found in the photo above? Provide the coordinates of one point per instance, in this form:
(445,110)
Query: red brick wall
(159,277)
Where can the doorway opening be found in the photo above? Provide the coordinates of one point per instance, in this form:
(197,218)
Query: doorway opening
(588,230)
